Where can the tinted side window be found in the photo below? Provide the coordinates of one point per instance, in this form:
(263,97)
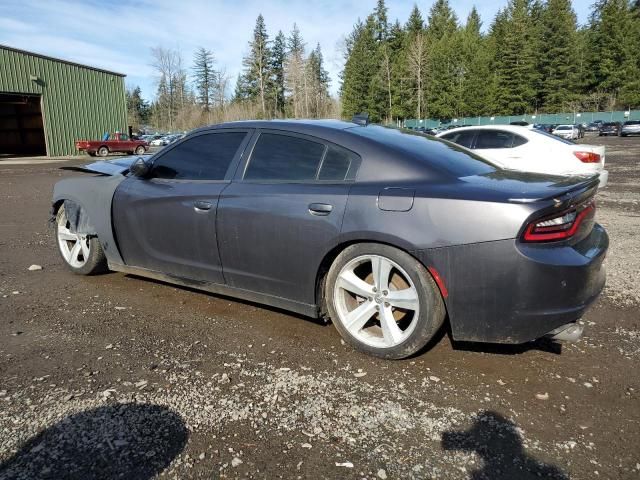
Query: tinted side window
(281,157)
(205,157)
(518,140)
(335,165)
(464,138)
(494,139)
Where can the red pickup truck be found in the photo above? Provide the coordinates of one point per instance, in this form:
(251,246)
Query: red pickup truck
(117,142)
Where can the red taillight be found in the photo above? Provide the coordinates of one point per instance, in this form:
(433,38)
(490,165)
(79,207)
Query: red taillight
(587,157)
(558,227)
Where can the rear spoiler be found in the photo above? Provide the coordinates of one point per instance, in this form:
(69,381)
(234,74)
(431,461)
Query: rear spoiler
(581,190)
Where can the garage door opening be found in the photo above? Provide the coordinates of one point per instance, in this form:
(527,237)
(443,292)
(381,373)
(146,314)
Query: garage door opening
(21,126)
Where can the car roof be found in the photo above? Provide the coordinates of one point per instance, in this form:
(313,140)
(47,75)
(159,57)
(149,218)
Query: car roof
(413,156)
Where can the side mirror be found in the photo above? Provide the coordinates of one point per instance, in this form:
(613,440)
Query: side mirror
(140,168)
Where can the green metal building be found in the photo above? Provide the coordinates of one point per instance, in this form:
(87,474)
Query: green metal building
(46,104)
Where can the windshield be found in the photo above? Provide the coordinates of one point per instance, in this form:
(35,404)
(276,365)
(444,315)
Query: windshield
(632,122)
(564,127)
(440,154)
(554,137)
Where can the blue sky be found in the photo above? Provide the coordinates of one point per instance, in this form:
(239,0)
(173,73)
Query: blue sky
(118,35)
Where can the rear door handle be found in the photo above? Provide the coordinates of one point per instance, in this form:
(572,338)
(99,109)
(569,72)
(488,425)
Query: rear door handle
(201,205)
(320,208)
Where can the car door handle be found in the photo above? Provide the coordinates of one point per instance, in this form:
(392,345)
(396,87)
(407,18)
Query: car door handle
(201,205)
(320,208)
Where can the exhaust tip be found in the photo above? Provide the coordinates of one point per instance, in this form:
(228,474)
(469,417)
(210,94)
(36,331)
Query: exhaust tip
(570,333)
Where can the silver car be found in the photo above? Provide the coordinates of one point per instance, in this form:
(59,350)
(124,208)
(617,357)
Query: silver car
(630,127)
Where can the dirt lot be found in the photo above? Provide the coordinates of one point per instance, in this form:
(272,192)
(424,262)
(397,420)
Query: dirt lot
(118,377)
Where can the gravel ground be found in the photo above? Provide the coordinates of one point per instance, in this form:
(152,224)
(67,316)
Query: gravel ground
(115,376)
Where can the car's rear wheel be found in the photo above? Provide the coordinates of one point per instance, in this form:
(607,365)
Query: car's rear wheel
(383,301)
(140,150)
(82,253)
(103,151)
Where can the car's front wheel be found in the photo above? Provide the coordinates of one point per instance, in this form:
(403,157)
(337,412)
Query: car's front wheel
(82,253)
(383,301)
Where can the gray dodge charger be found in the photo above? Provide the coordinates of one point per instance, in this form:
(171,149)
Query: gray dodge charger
(387,233)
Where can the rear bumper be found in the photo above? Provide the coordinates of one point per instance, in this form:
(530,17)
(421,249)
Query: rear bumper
(507,292)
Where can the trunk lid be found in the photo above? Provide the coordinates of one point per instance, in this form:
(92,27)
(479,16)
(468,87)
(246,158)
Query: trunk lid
(524,187)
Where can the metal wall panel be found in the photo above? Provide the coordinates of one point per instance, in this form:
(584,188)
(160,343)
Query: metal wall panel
(78,102)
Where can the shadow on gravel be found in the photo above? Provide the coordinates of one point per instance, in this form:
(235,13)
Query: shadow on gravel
(542,344)
(116,441)
(497,442)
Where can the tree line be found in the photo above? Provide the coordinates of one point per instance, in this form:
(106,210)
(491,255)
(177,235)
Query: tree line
(533,58)
(279,79)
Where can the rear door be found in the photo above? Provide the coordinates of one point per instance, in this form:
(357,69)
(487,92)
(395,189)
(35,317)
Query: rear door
(167,222)
(283,212)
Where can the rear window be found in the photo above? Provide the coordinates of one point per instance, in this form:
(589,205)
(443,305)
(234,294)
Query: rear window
(432,151)
(564,127)
(554,137)
(632,122)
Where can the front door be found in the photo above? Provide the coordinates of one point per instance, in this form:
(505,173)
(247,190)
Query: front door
(167,221)
(283,213)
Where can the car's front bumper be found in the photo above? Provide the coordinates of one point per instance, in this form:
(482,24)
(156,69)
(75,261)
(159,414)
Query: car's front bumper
(511,292)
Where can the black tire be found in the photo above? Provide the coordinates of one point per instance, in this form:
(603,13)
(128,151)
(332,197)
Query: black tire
(96,261)
(103,151)
(432,309)
(140,150)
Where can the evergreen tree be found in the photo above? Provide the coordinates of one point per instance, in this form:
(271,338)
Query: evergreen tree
(476,59)
(415,24)
(558,61)
(256,65)
(138,110)
(277,66)
(515,62)
(613,54)
(317,82)
(446,71)
(360,67)
(204,76)
(382,23)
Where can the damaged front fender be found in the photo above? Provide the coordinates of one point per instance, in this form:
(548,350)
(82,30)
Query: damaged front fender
(87,201)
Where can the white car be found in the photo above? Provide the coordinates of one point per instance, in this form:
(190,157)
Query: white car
(529,150)
(570,132)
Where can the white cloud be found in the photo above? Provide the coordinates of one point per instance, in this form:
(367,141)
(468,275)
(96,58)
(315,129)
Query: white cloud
(119,35)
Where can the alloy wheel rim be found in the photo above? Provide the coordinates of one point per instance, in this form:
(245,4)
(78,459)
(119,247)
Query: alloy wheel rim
(376,301)
(73,246)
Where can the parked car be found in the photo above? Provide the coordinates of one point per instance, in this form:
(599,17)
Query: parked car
(569,132)
(531,150)
(384,231)
(112,143)
(592,127)
(630,127)
(610,128)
